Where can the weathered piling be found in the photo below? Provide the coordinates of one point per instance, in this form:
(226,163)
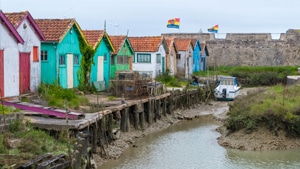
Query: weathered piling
(94,137)
(142,120)
(136,120)
(150,110)
(164,106)
(137,113)
(125,120)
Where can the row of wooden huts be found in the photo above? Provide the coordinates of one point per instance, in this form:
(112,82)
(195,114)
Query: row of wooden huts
(35,51)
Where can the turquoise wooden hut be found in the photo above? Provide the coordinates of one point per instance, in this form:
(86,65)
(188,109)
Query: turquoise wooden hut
(100,72)
(196,55)
(203,56)
(60,53)
(121,59)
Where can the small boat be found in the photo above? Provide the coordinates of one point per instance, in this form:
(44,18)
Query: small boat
(228,88)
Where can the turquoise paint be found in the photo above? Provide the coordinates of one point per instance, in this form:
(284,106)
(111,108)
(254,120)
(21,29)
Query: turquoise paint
(102,50)
(69,45)
(196,57)
(163,64)
(48,68)
(63,76)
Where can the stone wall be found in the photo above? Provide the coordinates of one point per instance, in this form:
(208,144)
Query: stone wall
(249,49)
(9,118)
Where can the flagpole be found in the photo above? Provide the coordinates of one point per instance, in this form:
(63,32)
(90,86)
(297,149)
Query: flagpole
(179,26)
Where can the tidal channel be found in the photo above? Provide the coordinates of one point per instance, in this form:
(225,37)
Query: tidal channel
(193,145)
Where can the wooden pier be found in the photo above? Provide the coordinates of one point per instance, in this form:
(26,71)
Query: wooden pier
(102,127)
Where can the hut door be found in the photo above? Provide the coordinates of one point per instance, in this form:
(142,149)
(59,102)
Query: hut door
(163,64)
(100,66)
(130,62)
(1,74)
(70,70)
(24,72)
(172,65)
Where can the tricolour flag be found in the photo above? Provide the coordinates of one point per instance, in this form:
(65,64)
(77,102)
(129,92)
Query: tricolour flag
(173,23)
(213,29)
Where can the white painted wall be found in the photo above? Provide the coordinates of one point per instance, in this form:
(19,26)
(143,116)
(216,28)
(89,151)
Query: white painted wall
(181,62)
(190,66)
(185,67)
(31,39)
(172,64)
(11,62)
(153,67)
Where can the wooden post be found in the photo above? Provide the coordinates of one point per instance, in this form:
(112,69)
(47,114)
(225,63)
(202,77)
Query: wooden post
(103,129)
(127,119)
(109,126)
(136,120)
(157,110)
(138,110)
(123,120)
(171,103)
(150,110)
(164,106)
(188,95)
(142,120)
(94,138)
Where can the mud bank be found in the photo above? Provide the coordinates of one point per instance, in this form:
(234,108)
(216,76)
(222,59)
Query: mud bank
(114,150)
(259,140)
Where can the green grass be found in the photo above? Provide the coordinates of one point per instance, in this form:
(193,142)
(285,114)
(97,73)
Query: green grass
(8,109)
(275,107)
(32,142)
(61,98)
(170,81)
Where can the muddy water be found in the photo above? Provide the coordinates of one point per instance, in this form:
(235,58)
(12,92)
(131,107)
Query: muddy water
(193,145)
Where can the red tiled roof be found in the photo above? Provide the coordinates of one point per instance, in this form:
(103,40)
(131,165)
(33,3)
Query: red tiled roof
(93,37)
(10,28)
(117,42)
(55,29)
(169,42)
(183,44)
(145,44)
(16,18)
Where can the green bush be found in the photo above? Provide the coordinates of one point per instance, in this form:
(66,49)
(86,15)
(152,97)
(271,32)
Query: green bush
(259,75)
(3,148)
(169,80)
(39,142)
(275,108)
(15,126)
(59,97)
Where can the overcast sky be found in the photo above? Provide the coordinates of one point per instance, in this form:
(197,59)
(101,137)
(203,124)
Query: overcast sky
(150,17)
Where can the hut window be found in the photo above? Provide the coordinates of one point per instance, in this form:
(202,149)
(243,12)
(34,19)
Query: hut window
(125,60)
(76,59)
(158,58)
(105,57)
(144,58)
(44,55)
(62,60)
(120,59)
(35,53)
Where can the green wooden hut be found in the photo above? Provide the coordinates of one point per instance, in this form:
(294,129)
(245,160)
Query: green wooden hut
(60,53)
(100,72)
(121,59)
